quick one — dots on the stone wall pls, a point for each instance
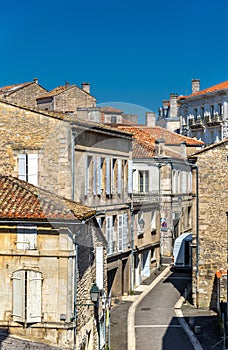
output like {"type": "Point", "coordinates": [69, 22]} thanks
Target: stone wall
{"type": "Point", "coordinates": [212, 234]}
{"type": "Point", "coordinates": [27, 95]}
{"type": "Point", "coordinates": [68, 101]}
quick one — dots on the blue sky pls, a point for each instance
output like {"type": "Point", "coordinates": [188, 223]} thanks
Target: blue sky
{"type": "Point", "coordinates": [133, 52]}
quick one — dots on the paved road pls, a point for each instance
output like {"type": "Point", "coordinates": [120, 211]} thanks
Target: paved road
{"type": "Point", "coordinates": [156, 324]}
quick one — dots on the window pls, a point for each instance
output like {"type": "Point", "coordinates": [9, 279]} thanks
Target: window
{"type": "Point", "coordinates": [26, 237]}
{"type": "Point", "coordinates": [27, 296]}
{"type": "Point", "coordinates": [202, 112]}
{"type": "Point", "coordinates": [122, 231]}
{"type": "Point", "coordinates": [28, 168]}
{"type": "Point", "coordinates": [144, 181]}
{"type": "Point", "coordinates": [109, 234]}
{"type": "Point", "coordinates": [220, 109]}
{"type": "Point", "coordinates": [195, 113]}
{"type": "Point", "coordinates": [212, 110]}
{"type": "Point", "coordinates": [113, 119]}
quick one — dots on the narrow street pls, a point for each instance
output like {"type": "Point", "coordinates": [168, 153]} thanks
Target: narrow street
{"type": "Point", "coordinates": [156, 324]}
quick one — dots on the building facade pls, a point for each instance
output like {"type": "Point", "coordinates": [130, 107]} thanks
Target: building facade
{"type": "Point", "coordinates": [204, 113]}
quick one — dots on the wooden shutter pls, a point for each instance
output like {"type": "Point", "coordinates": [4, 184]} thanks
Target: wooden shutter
{"type": "Point", "coordinates": [86, 175]}
{"type": "Point", "coordinates": [120, 232]}
{"type": "Point", "coordinates": [119, 176]}
{"type": "Point", "coordinates": [34, 281]}
{"type": "Point", "coordinates": [22, 242]}
{"type": "Point", "coordinates": [99, 268]}
{"type": "Point", "coordinates": [108, 176]}
{"type": "Point", "coordinates": [22, 166]}
{"type": "Point", "coordinates": [129, 176]}
{"type": "Point", "coordinates": [18, 296]}
{"type": "Point", "coordinates": [94, 175]}
{"type": "Point", "coordinates": [33, 169]}
{"type": "Point", "coordinates": [99, 175]}
{"type": "Point", "coordinates": [125, 231]}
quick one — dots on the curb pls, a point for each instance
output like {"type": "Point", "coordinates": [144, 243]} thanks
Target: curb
{"type": "Point", "coordinates": [193, 339]}
{"type": "Point", "coordinates": [131, 311]}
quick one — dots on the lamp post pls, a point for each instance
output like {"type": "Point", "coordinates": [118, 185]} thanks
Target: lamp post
{"type": "Point", "coordinates": [94, 295]}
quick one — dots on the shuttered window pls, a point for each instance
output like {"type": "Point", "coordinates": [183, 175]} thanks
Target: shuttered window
{"type": "Point", "coordinates": [27, 296]}
{"type": "Point", "coordinates": [28, 168]}
{"type": "Point", "coordinates": [26, 237]}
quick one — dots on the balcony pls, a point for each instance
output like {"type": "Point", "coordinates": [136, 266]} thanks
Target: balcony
{"type": "Point", "coordinates": [196, 123]}
{"type": "Point", "coordinates": [150, 196]}
{"type": "Point", "coordinates": [215, 119]}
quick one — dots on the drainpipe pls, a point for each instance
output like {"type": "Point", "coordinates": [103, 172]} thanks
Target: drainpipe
{"type": "Point", "coordinates": [75, 292]}
{"type": "Point", "coordinates": [194, 166]}
{"type": "Point", "coordinates": [73, 138]}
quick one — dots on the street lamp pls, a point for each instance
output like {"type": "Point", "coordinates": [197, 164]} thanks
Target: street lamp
{"type": "Point", "coordinates": [94, 293]}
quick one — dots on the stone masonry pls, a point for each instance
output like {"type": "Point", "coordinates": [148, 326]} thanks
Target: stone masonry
{"type": "Point", "coordinates": [211, 253]}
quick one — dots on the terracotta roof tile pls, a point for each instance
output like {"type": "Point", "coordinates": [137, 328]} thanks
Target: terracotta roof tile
{"type": "Point", "coordinates": [217, 87]}
{"type": "Point", "coordinates": [21, 200]}
{"type": "Point", "coordinates": [111, 110]}
{"type": "Point", "coordinates": [60, 89]}
{"type": "Point", "coordinates": [153, 133]}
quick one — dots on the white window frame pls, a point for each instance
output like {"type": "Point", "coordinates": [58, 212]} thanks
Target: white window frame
{"type": "Point", "coordinates": [26, 237]}
{"type": "Point", "coordinates": [28, 167]}
{"type": "Point", "coordinates": [27, 296]}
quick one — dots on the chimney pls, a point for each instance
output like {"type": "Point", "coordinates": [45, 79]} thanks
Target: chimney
{"type": "Point", "coordinates": [159, 147]}
{"type": "Point", "coordinates": [195, 85]}
{"type": "Point", "coordinates": [67, 84]}
{"type": "Point", "coordinates": [151, 119]}
{"type": "Point", "coordinates": [35, 80]}
{"type": "Point", "coordinates": [86, 87]}
{"type": "Point", "coordinates": [173, 112]}
{"type": "Point", "coordinates": [183, 149]}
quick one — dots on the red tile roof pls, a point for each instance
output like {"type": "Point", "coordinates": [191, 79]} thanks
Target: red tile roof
{"type": "Point", "coordinates": [21, 200]}
{"type": "Point", "coordinates": [144, 143]}
{"type": "Point", "coordinates": [111, 110]}
{"type": "Point", "coordinates": [60, 89]}
{"type": "Point", "coordinates": [217, 87]}
{"type": "Point", "coordinates": [157, 132]}
{"type": "Point", "coordinates": [12, 88]}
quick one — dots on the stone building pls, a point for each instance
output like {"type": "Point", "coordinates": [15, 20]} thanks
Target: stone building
{"type": "Point", "coordinates": [210, 193]}
{"type": "Point", "coordinates": [204, 113]}
{"type": "Point", "coordinates": [51, 249]}
{"type": "Point", "coordinates": [84, 161]}
{"type": "Point", "coordinates": [67, 98]}
{"type": "Point", "coordinates": [24, 93]}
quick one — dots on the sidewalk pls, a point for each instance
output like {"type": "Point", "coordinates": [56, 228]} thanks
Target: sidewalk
{"type": "Point", "coordinates": [202, 324]}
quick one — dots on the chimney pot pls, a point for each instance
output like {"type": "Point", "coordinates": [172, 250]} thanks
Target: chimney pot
{"type": "Point", "coordinates": [195, 85]}
{"type": "Point", "coordinates": [35, 80]}
{"type": "Point", "coordinates": [151, 119]}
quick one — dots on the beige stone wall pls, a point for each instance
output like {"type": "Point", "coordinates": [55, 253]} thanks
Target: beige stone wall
{"type": "Point", "coordinates": [212, 235]}
{"type": "Point", "coordinates": [27, 95]}
{"type": "Point", "coordinates": [68, 101]}
{"type": "Point", "coordinates": [55, 258]}
{"type": "Point", "coordinates": [24, 131]}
